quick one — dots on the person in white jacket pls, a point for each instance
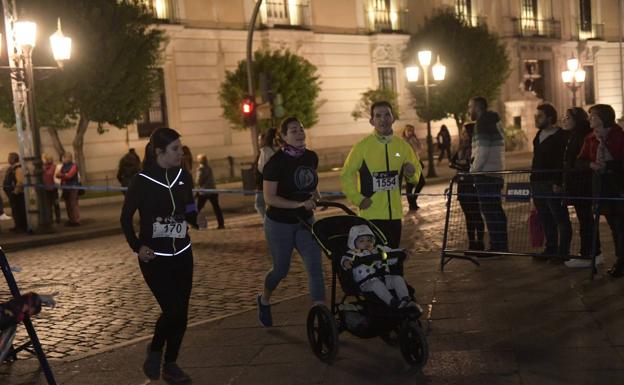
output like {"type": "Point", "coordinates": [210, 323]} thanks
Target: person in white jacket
{"type": "Point", "coordinates": [488, 151]}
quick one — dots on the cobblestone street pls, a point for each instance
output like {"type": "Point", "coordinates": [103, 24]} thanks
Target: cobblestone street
{"type": "Point", "coordinates": [104, 301]}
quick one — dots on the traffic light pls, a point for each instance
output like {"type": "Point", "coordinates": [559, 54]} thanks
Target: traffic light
{"type": "Point", "coordinates": [248, 108]}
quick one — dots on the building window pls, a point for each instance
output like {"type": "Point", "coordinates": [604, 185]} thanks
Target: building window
{"type": "Point", "coordinates": [162, 9]}
{"type": "Point", "coordinates": [156, 115]}
{"type": "Point", "coordinates": [387, 78]}
{"type": "Point", "coordinates": [529, 17]}
{"type": "Point", "coordinates": [463, 9]}
{"type": "Point", "coordinates": [285, 12]}
{"type": "Point", "coordinates": [384, 16]}
{"type": "Point", "coordinates": [590, 91]}
{"type": "Point", "coordinates": [537, 78]}
{"type": "Point", "coordinates": [586, 17]}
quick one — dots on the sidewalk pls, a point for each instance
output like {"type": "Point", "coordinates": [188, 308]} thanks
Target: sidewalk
{"type": "Point", "coordinates": [100, 216]}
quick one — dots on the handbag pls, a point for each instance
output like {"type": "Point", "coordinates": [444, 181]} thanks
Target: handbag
{"type": "Point", "coordinates": [536, 230]}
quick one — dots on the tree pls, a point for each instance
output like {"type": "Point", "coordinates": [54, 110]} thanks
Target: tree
{"type": "Point", "coordinates": [476, 61]}
{"type": "Point", "coordinates": [290, 75]}
{"type": "Point", "coordinates": [362, 109]}
{"type": "Point", "coordinates": [110, 77]}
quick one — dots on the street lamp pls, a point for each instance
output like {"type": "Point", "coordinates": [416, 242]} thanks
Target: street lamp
{"type": "Point", "coordinates": [439, 73]}
{"type": "Point", "coordinates": [573, 78]}
{"type": "Point", "coordinates": [21, 39]}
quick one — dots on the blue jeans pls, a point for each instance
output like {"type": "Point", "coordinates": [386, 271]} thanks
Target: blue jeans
{"type": "Point", "coordinates": [282, 239]}
{"type": "Point", "coordinates": [489, 194]}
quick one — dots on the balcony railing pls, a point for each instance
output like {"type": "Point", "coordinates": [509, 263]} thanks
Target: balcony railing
{"type": "Point", "coordinates": [530, 27]}
{"type": "Point", "coordinates": [165, 11]}
{"type": "Point", "coordinates": [386, 21]}
{"type": "Point", "coordinates": [588, 32]}
{"type": "Point", "coordinates": [283, 13]}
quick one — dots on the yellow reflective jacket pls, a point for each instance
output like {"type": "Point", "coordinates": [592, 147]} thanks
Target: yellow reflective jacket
{"type": "Point", "coordinates": [374, 169]}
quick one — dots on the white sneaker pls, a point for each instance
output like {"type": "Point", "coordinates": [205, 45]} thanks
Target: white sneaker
{"type": "Point", "coordinates": [5, 217]}
{"type": "Point", "coordinates": [581, 263]}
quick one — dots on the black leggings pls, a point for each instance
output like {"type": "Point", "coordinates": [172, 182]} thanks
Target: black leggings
{"type": "Point", "coordinates": [214, 201]}
{"type": "Point", "coordinates": [170, 279]}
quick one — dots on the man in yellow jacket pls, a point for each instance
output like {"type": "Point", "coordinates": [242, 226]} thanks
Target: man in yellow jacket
{"type": "Point", "coordinates": [372, 174]}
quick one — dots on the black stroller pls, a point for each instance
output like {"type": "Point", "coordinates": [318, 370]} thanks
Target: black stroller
{"type": "Point", "coordinates": [364, 315]}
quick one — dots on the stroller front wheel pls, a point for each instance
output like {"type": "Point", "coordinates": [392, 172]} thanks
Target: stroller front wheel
{"type": "Point", "coordinates": [413, 343]}
{"type": "Point", "coordinates": [322, 333]}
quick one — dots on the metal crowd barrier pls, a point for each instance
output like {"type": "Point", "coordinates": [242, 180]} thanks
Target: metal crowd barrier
{"type": "Point", "coordinates": [504, 201]}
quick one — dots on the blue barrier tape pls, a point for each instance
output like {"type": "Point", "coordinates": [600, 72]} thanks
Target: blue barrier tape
{"type": "Point", "coordinates": [340, 194]}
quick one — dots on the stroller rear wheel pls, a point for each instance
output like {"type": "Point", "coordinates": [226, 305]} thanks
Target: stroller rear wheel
{"type": "Point", "coordinates": [322, 333]}
{"type": "Point", "coordinates": [413, 343]}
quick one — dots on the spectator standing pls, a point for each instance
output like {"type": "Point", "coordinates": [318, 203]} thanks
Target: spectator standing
{"type": "Point", "coordinates": [187, 159]}
{"type": "Point", "coordinates": [68, 174]}
{"type": "Point", "coordinates": [577, 184]}
{"type": "Point", "coordinates": [410, 137]}
{"type": "Point", "coordinates": [546, 180]}
{"type": "Point", "coordinates": [51, 189]}
{"type": "Point", "coordinates": [603, 149]}
{"type": "Point", "coordinates": [205, 179]}
{"type": "Point", "coordinates": [444, 143]}
{"type": "Point", "coordinates": [14, 188]}
{"type": "Point", "coordinates": [466, 191]}
{"type": "Point", "coordinates": [488, 152]}
{"type": "Point", "coordinates": [129, 166]}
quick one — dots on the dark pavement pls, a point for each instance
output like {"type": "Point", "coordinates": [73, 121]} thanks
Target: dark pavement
{"type": "Point", "coordinates": [510, 321]}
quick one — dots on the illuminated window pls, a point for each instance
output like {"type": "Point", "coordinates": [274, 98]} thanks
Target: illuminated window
{"type": "Point", "coordinates": [156, 114]}
{"type": "Point", "coordinates": [162, 9]}
{"type": "Point", "coordinates": [463, 9]}
{"type": "Point", "coordinates": [285, 12]}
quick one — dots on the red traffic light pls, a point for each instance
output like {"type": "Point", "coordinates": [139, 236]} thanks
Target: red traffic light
{"type": "Point", "coordinates": [248, 107]}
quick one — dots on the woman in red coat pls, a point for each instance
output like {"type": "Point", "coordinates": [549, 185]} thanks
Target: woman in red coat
{"type": "Point", "coordinates": [603, 149]}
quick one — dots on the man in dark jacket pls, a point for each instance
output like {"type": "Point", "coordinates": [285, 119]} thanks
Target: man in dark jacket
{"type": "Point", "coordinates": [546, 181]}
{"type": "Point", "coordinates": [129, 166]}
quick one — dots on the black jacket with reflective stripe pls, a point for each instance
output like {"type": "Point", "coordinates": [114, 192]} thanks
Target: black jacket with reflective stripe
{"type": "Point", "coordinates": [149, 193]}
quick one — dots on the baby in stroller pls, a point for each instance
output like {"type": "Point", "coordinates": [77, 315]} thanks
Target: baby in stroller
{"type": "Point", "coordinates": [374, 268]}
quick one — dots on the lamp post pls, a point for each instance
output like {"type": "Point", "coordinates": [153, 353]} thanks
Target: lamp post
{"type": "Point", "coordinates": [573, 78]}
{"type": "Point", "coordinates": [21, 40]}
{"type": "Point", "coordinates": [439, 72]}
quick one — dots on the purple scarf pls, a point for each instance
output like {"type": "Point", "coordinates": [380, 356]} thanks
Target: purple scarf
{"type": "Point", "coordinates": [295, 152]}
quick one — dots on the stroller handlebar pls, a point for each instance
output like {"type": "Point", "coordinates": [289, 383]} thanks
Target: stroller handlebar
{"type": "Point", "coordinates": [335, 204]}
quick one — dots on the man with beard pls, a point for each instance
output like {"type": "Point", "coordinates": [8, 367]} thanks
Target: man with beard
{"type": "Point", "coordinates": [546, 181]}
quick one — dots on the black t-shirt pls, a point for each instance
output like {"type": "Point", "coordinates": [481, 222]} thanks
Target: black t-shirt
{"type": "Point", "coordinates": [296, 181]}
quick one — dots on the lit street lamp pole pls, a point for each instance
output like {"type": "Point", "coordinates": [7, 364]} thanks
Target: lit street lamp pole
{"type": "Point", "coordinates": [21, 39]}
{"type": "Point", "coordinates": [573, 78]}
{"type": "Point", "coordinates": [439, 72]}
